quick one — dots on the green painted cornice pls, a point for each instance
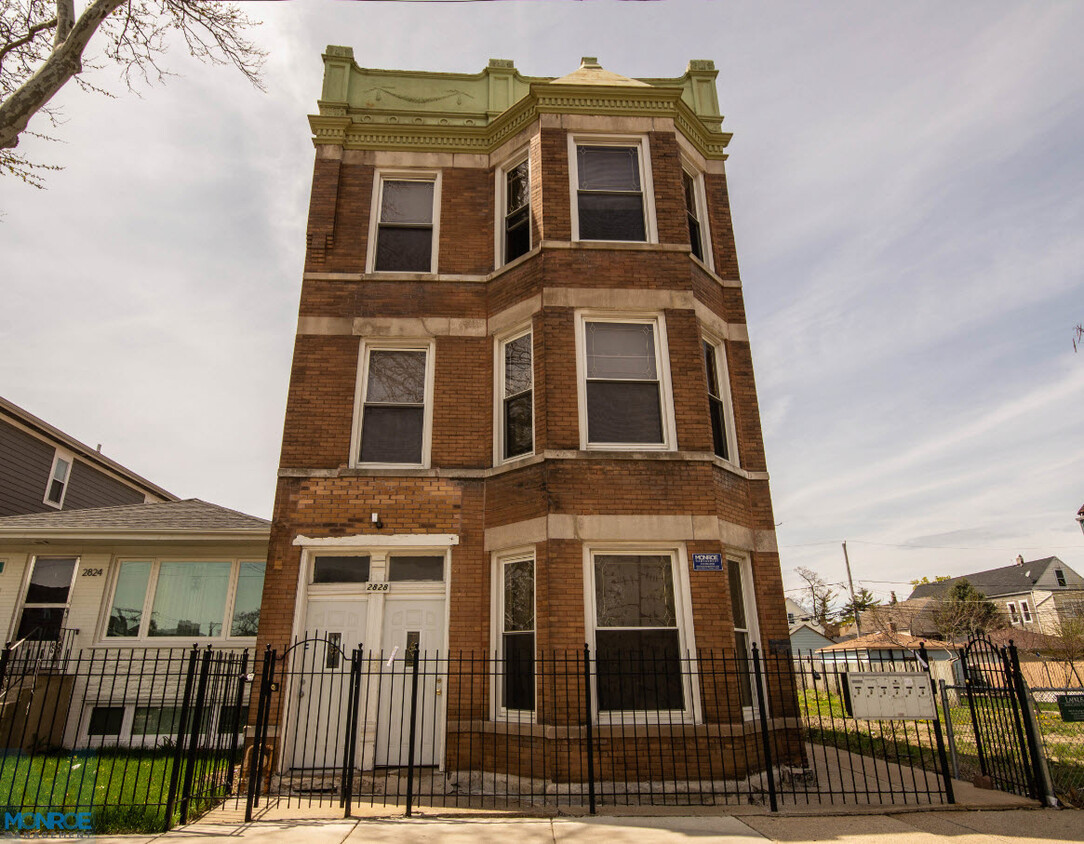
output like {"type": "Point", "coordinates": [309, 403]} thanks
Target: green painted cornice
{"type": "Point", "coordinates": [364, 108]}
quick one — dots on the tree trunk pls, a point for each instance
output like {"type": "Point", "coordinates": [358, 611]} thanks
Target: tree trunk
{"type": "Point", "coordinates": [64, 62]}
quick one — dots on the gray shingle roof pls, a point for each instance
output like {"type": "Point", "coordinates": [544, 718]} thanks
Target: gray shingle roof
{"type": "Point", "coordinates": [1006, 580]}
{"type": "Point", "coordinates": [169, 516]}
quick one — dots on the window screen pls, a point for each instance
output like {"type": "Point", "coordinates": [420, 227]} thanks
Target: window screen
{"type": "Point", "coordinates": [610, 199]}
{"type": "Point", "coordinates": [393, 416]}
{"type": "Point", "coordinates": [622, 383]}
{"type": "Point", "coordinates": [636, 635]}
{"type": "Point", "coordinates": [404, 240]}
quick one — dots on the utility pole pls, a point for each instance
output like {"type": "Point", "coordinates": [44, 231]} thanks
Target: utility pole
{"type": "Point", "coordinates": [850, 583]}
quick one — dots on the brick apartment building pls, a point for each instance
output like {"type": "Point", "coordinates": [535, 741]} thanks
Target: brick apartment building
{"type": "Point", "coordinates": [522, 414]}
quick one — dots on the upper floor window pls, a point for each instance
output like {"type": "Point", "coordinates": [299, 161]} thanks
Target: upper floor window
{"type": "Point", "coordinates": [611, 182]}
{"type": "Point", "coordinates": [624, 395]}
{"type": "Point", "coordinates": [405, 232]}
{"type": "Point", "coordinates": [696, 215]}
{"type": "Point", "coordinates": [720, 409]}
{"type": "Point", "coordinates": [1025, 611]}
{"type": "Point", "coordinates": [58, 479]}
{"type": "Point", "coordinates": [515, 188]}
{"type": "Point", "coordinates": [204, 599]}
{"type": "Point", "coordinates": [1059, 575]}
{"type": "Point", "coordinates": [394, 411]}
{"type": "Point", "coordinates": [1014, 614]}
{"type": "Point", "coordinates": [516, 390]}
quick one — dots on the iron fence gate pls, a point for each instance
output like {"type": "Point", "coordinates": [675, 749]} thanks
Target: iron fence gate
{"type": "Point", "coordinates": [1005, 735]}
{"type": "Point", "coordinates": [341, 728]}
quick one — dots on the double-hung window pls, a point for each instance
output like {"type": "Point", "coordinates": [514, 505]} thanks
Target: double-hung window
{"type": "Point", "coordinates": [405, 233]}
{"type": "Point", "coordinates": [637, 632]}
{"type": "Point", "coordinates": [696, 215]}
{"type": "Point", "coordinates": [1014, 613]}
{"type": "Point", "coordinates": [515, 367]}
{"type": "Point", "coordinates": [612, 190]}
{"type": "Point", "coordinates": [394, 411]}
{"type": "Point", "coordinates": [1025, 612]}
{"type": "Point", "coordinates": [720, 409]}
{"type": "Point", "coordinates": [741, 611]}
{"type": "Point", "coordinates": [515, 204]}
{"type": "Point", "coordinates": [186, 599]}
{"type": "Point", "coordinates": [624, 386]}
{"type": "Point", "coordinates": [516, 634]}
{"type": "Point", "coordinates": [58, 479]}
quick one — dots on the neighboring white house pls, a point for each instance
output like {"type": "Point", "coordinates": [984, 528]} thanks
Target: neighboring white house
{"type": "Point", "coordinates": [1034, 595]}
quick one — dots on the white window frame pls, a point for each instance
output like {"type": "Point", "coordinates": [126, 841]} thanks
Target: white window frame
{"type": "Point", "coordinates": [722, 367]}
{"type": "Point", "coordinates": [147, 740]}
{"type": "Point", "coordinates": [426, 345]}
{"type": "Point", "coordinates": [69, 458]}
{"type": "Point", "coordinates": [1014, 614]}
{"type": "Point", "coordinates": [662, 370]}
{"type": "Point", "coordinates": [501, 204]}
{"type": "Point", "coordinates": [1060, 579]}
{"type": "Point", "coordinates": [143, 639]}
{"type": "Point", "coordinates": [701, 203]}
{"type": "Point", "coordinates": [501, 340]}
{"type": "Point", "coordinates": [400, 175]}
{"type": "Point", "coordinates": [25, 585]}
{"type": "Point", "coordinates": [1025, 612]}
{"type": "Point", "coordinates": [752, 623]}
{"type": "Point", "coordinates": [647, 183]}
{"type": "Point", "coordinates": [683, 604]}
{"type": "Point", "coordinates": [499, 560]}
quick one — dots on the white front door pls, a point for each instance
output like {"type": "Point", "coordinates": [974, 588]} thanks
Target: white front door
{"type": "Point", "coordinates": [412, 625]}
{"type": "Point", "coordinates": [318, 675]}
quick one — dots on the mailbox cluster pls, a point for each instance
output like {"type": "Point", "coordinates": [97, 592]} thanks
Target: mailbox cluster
{"type": "Point", "coordinates": [876, 695]}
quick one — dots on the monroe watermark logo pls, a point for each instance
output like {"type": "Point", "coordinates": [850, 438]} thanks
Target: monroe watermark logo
{"type": "Point", "coordinates": [73, 823]}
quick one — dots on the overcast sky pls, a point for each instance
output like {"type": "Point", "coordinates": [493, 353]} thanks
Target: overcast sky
{"type": "Point", "coordinates": [907, 181]}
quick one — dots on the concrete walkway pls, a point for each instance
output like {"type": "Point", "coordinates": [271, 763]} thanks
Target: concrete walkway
{"type": "Point", "coordinates": [1014, 826]}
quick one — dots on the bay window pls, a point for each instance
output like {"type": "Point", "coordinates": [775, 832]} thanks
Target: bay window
{"type": "Point", "coordinates": [611, 189]}
{"type": "Point", "coordinates": [516, 634]}
{"type": "Point", "coordinates": [514, 211]}
{"type": "Point", "coordinates": [515, 368]}
{"type": "Point", "coordinates": [637, 631]}
{"type": "Point", "coordinates": [403, 238]}
{"type": "Point", "coordinates": [624, 390]}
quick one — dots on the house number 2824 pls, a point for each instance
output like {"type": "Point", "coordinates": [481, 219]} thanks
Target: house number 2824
{"type": "Point", "coordinates": [92, 572]}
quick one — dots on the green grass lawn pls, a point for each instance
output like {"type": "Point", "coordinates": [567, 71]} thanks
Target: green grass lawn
{"type": "Point", "coordinates": [126, 790]}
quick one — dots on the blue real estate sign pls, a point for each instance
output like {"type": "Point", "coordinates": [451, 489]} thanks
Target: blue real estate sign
{"type": "Point", "coordinates": [707, 562]}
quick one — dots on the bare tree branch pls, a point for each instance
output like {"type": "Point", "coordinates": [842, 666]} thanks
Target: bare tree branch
{"type": "Point", "coordinates": [133, 34]}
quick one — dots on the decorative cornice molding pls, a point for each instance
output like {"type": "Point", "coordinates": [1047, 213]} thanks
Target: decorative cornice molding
{"type": "Point", "coordinates": [374, 129]}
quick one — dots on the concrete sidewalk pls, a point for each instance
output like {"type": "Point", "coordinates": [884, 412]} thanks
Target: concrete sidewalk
{"type": "Point", "coordinates": [1018, 826]}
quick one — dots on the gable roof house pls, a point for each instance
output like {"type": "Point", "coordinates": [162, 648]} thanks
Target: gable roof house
{"type": "Point", "coordinates": [1034, 595]}
{"type": "Point", "coordinates": [44, 469]}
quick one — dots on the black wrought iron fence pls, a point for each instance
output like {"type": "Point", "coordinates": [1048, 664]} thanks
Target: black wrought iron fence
{"type": "Point", "coordinates": [580, 729]}
{"type": "Point", "coordinates": [137, 739]}
{"type": "Point", "coordinates": [147, 738]}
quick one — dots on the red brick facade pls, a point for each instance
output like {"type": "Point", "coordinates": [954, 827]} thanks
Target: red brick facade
{"type": "Point", "coordinates": [564, 497]}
